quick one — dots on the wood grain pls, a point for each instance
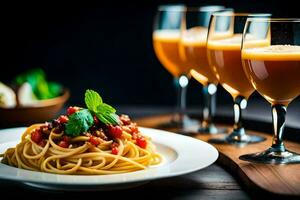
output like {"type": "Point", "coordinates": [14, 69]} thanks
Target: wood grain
{"type": "Point", "coordinates": [275, 179]}
{"type": "Point", "coordinates": [212, 182]}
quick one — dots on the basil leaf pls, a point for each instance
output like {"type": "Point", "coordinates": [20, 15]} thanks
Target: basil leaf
{"type": "Point", "coordinates": [113, 119]}
{"type": "Point", "coordinates": [105, 108]}
{"type": "Point", "coordinates": [104, 112]}
{"type": "Point", "coordinates": [92, 100]}
{"type": "Point", "coordinates": [79, 122]}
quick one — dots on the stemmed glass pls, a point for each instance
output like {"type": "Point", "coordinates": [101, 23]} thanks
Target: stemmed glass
{"type": "Point", "coordinates": [166, 37]}
{"type": "Point", "coordinates": [224, 54]}
{"type": "Point", "coordinates": [271, 61]}
{"type": "Point", "coordinates": [193, 52]}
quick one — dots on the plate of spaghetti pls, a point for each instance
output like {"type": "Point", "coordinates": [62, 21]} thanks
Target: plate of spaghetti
{"type": "Point", "coordinates": [93, 148]}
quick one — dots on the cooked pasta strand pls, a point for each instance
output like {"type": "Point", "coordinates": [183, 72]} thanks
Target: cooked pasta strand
{"type": "Point", "coordinates": [84, 159]}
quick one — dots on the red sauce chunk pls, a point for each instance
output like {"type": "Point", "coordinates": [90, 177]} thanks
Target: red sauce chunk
{"type": "Point", "coordinates": [115, 150]}
{"type": "Point", "coordinates": [141, 142]}
{"type": "Point", "coordinates": [63, 144]}
{"type": "Point", "coordinates": [133, 128]}
{"type": "Point", "coordinates": [66, 139]}
{"type": "Point", "coordinates": [94, 140]}
{"type": "Point", "coordinates": [36, 136]}
{"type": "Point", "coordinates": [72, 109]}
{"type": "Point", "coordinates": [115, 131]}
{"type": "Point", "coordinates": [125, 119]}
{"type": "Point", "coordinates": [63, 119]}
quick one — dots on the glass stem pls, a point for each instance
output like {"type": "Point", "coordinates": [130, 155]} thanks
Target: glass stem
{"type": "Point", "coordinates": [181, 86]}
{"type": "Point", "coordinates": [239, 104]}
{"type": "Point", "coordinates": [278, 117]}
{"type": "Point", "coordinates": [209, 109]}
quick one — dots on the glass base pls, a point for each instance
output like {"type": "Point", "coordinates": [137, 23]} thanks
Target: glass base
{"type": "Point", "coordinates": [270, 156]}
{"type": "Point", "coordinates": [238, 137]}
{"type": "Point", "coordinates": [211, 130]}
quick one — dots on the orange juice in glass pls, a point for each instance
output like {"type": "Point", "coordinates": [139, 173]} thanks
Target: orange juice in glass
{"type": "Point", "coordinates": [224, 54]}
{"type": "Point", "coordinates": [193, 52]}
{"type": "Point", "coordinates": [274, 72]}
{"type": "Point", "coordinates": [166, 37]}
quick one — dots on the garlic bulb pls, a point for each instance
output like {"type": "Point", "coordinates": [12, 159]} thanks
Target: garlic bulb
{"type": "Point", "coordinates": [7, 97]}
{"type": "Point", "coordinates": [26, 96]}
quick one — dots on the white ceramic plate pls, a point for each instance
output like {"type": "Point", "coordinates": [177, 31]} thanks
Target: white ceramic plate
{"type": "Point", "coordinates": [181, 155]}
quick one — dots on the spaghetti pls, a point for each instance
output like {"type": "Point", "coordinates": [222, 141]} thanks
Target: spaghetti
{"type": "Point", "coordinates": [102, 149]}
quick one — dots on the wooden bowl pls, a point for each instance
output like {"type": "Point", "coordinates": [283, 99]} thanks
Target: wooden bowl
{"type": "Point", "coordinates": [43, 111]}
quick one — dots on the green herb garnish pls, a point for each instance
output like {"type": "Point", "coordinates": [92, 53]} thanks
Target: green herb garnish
{"type": "Point", "coordinates": [92, 100]}
{"type": "Point", "coordinates": [104, 112]}
{"type": "Point", "coordinates": [82, 120]}
{"type": "Point", "coordinates": [79, 122]}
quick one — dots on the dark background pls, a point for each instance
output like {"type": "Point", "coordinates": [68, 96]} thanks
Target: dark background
{"type": "Point", "coordinates": [105, 46]}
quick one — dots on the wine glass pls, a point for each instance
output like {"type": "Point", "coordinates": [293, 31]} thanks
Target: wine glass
{"type": "Point", "coordinates": [271, 61]}
{"type": "Point", "coordinates": [193, 52]}
{"type": "Point", "coordinates": [224, 55]}
{"type": "Point", "coordinates": [166, 37]}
